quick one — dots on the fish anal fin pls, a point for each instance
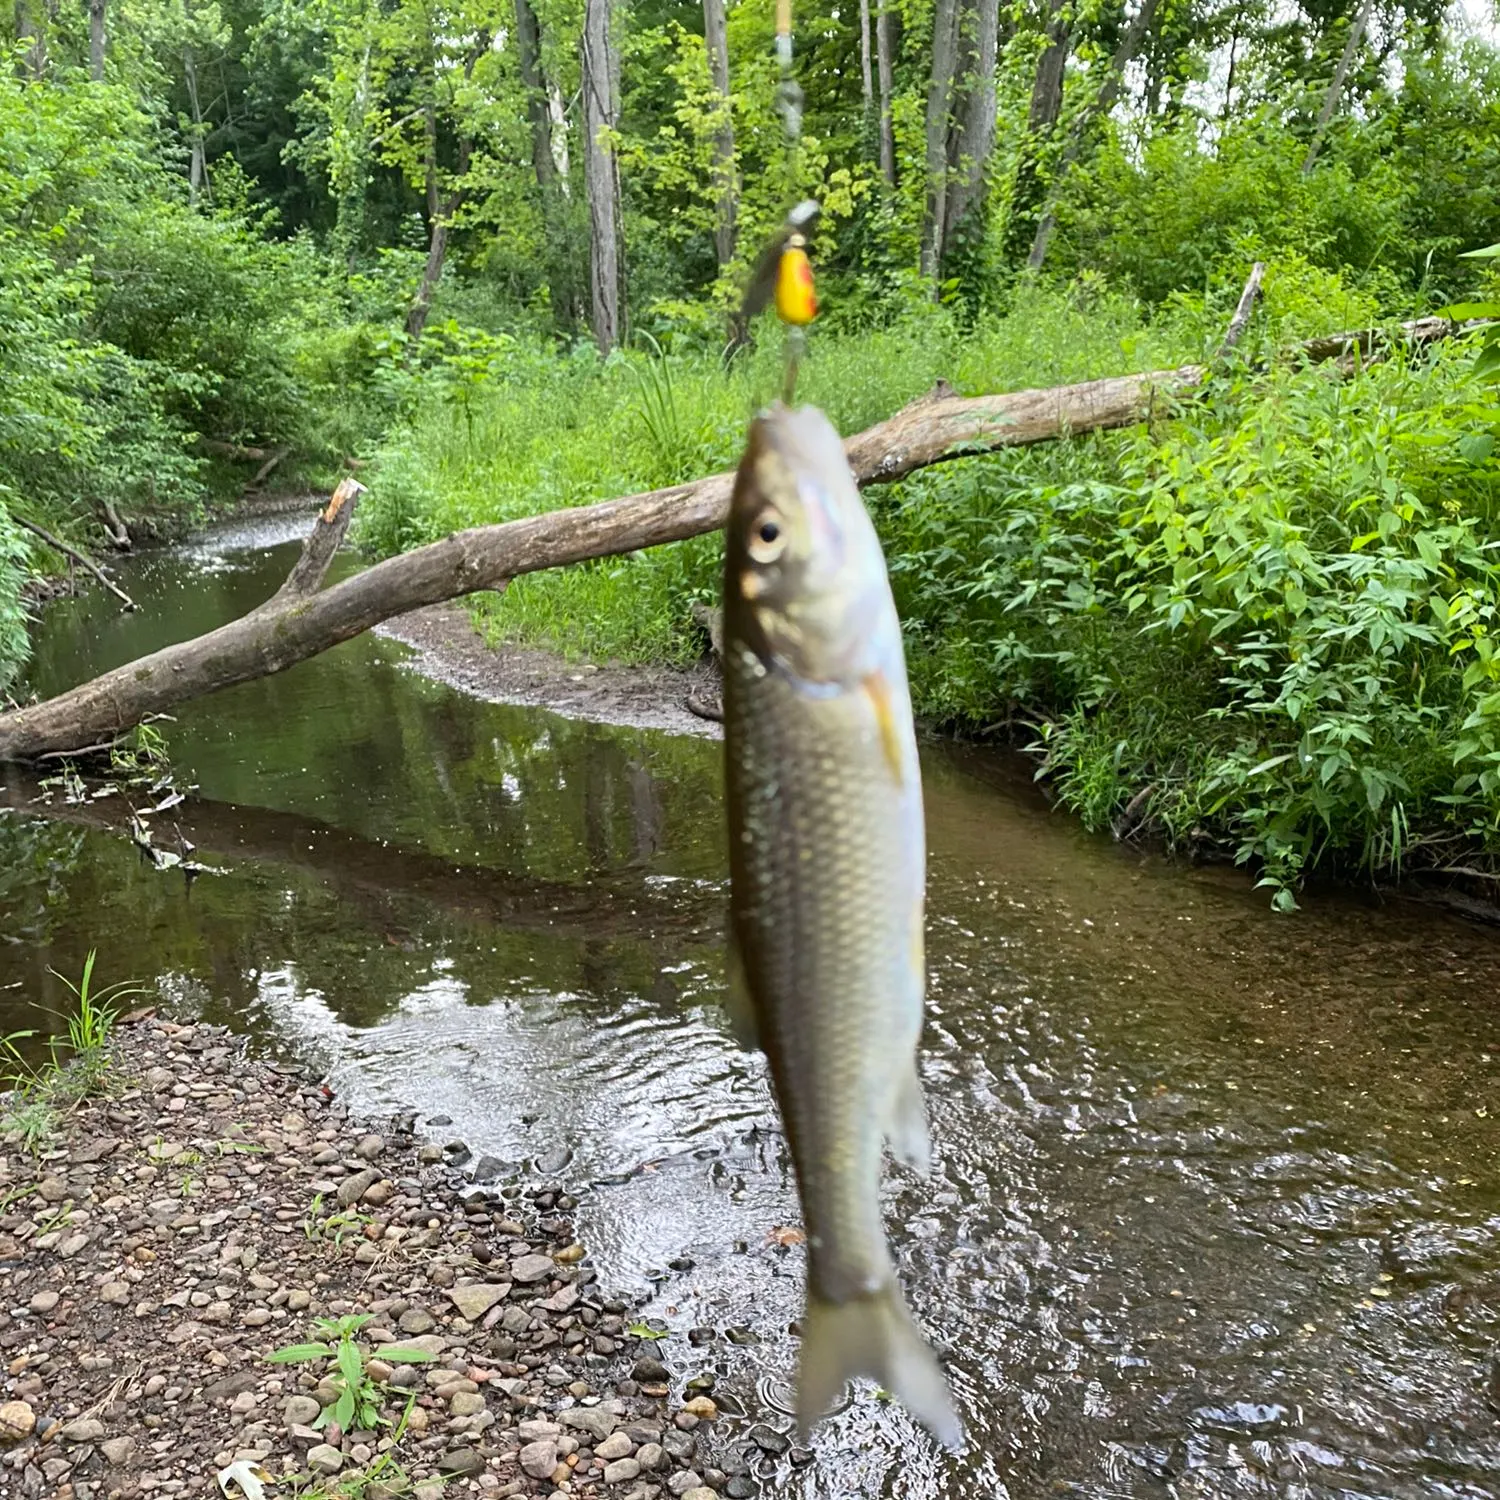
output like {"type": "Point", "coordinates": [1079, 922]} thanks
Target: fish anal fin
{"type": "Point", "coordinates": [906, 1131]}
{"type": "Point", "coordinates": [737, 1004]}
{"type": "Point", "coordinates": [872, 1336]}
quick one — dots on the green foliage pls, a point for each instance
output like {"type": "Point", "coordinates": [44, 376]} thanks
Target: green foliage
{"type": "Point", "coordinates": [360, 1397]}
{"type": "Point", "coordinates": [76, 1066]}
{"type": "Point", "coordinates": [1276, 612]}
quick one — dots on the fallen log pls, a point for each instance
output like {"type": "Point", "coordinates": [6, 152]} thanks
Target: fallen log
{"type": "Point", "coordinates": [300, 621]}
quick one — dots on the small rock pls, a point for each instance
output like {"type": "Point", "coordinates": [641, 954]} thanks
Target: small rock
{"type": "Point", "coordinates": [378, 1194]}
{"type": "Point", "coordinates": [621, 1470]}
{"type": "Point", "coordinates": [298, 1299]}
{"type": "Point", "coordinates": [649, 1370]}
{"type": "Point", "coordinates": [117, 1450]}
{"type": "Point", "coordinates": [44, 1302]}
{"type": "Point", "coordinates": [463, 1462]}
{"type": "Point", "coordinates": [352, 1189]}
{"type": "Point", "coordinates": [701, 1493]}
{"type": "Point", "coordinates": [300, 1411]}
{"type": "Point", "coordinates": [325, 1459]}
{"type": "Point", "coordinates": [115, 1292]}
{"type": "Point", "coordinates": [539, 1459]}
{"type": "Point", "coordinates": [529, 1268]}
{"type": "Point", "coordinates": [681, 1483]}
{"type": "Point", "coordinates": [370, 1147]}
{"type": "Point", "coordinates": [83, 1430]}
{"type": "Point", "coordinates": [650, 1456]}
{"type": "Point", "coordinates": [593, 1420]}
{"type": "Point", "coordinates": [466, 1404]}
{"type": "Point", "coordinates": [244, 1403]}
{"type": "Point", "coordinates": [534, 1429]}
{"type": "Point", "coordinates": [16, 1421]}
{"type": "Point", "coordinates": [475, 1299]}
{"type": "Point", "coordinates": [416, 1320]}
{"type": "Point", "coordinates": [616, 1445]}
{"type": "Point", "coordinates": [702, 1407]}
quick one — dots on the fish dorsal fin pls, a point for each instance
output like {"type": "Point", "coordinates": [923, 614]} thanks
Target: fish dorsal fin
{"type": "Point", "coordinates": [737, 1004]}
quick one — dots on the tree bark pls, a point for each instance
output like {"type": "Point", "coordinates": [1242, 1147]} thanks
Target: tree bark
{"type": "Point", "coordinates": [1336, 84]}
{"type": "Point", "coordinates": [939, 103]}
{"type": "Point", "coordinates": [96, 40]}
{"type": "Point", "coordinates": [866, 73]}
{"type": "Point", "coordinates": [883, 51]}
{"type": "Point", "coordinates": [34, 59]}
{"type": "Point", "coordinates": [529, 60]}
{"type": "Point", "coordinates": [197, 164]}
{"type": "Point", "coordinates": [600, 112]}
{"type": "Point", "coordinates": [1109, 91]}
{"type": "Point", "coordinates": [976, 136]}
{"type": "Point", "coordinates": [1046, 106]}
{"type": "Point", "coordinates": [301, 622]}
{"type": "Point", "coordinates": [716, 35]}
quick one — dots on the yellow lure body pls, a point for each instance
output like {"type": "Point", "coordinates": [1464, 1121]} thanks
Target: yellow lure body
{"type": "Point", "coordinates": [796, 296]}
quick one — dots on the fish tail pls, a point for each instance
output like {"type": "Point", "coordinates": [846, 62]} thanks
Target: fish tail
{"type": "Point", "coordinates": [872, 1336]}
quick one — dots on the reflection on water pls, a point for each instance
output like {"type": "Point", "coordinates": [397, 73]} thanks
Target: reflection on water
{"type": "Point", "coordinates": [1216, 1210]}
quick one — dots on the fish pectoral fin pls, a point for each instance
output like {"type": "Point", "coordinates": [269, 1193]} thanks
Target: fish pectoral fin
{"type": "Point", "coordinates": [906, 1132]}
{"type": "Point", "coordinates": [737, 1004]}
{"type": "Point", "coordinates": [878, 690]}
{"type": "Point", "coordinates": [872, 1336]}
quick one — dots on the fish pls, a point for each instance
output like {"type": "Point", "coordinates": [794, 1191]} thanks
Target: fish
{"type": "Point", "coordinates": [827, 888]}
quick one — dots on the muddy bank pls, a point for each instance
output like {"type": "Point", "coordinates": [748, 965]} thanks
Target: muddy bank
{"type": "Point", "coordinates": [213, 1208]}
{"type": "Point", "coordinates": [450, 650]}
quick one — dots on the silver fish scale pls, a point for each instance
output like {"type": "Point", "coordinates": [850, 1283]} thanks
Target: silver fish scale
{"type": "Point", "coordinates": [827, 859]}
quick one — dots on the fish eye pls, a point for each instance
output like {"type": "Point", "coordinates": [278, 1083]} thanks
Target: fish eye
{"type": "Point", "coordinates": [767, 539]}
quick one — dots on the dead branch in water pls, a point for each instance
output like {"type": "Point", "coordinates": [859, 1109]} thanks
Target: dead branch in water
{"type": "Point", "coordinates": [58, 545]}
{"type": "Point", "coordinates": [303, 620]}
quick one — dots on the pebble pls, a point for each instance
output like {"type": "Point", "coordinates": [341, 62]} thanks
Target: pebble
{"type": "Point", "coordinates": [701, 1493]}
{"type": "Point", "coordinates": [466, 1404]}
{"type": "Point", "coordinates": [300, 1411]}
{"type": "Point", "coordinates": [681, 1483]}
{"type": "Point", "coordinates": [617, 1445]}
{"type": "Point", "coordinates": [325, 1459]}
{"type": "Point", "coordinates": [539, 1459]}
{"type": "Point", "coordinates": [44, 1302]}
{"type": "Point", "coordinates": [621, 1470]}
{"type": "Point", "coordinates": [16, 1421]}
{"type": "Point", "coordinates": [416, 1320]}
{"type": "Point", "coordinates": [702, 1407]}
{"type": "Point", "coordinates": [529, 1268]}
{"type": "Point", "coordinates": [474, 1299]}
{"type": "Point", "coordinates": [464, 1462]}
{"type": "Point", "coordinates": [117, 1450]}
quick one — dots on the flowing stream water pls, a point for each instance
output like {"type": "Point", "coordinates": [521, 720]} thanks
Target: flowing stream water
{"type": "Point", "coordinates": [1216, 1208]}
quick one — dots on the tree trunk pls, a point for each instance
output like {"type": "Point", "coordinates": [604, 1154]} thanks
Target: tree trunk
{"type": "Point", "coordinates": [715, 33]}
{"type": "Point", "coordinates": [197, 165]}
{"type": "Point", "coordinates": [1027, 193]}
{"type": "Point", "coordinates": [96, 40]}
{"type": "Point", "coordinates": [939, 102]}
{"type": "Point", "coordinates": [866, 73]}
{"type": "Point", "coordinates": [883, 52]}
{"type": "Point", "coordinates": [529, 59]}
{"type": "Point", "coordinates": [1336, 84]}
{"type": "Point", "coordinates": [1109, 91]}
{"type": "Point", "coordinates": [600, 112]}
{"type": "Point", "coordinates": [302, 621]}
{"type": "Point", "coordinates": [437, 234]}
{"type": "Point", "coordinates": [976, 136]}
{"type": "Point", "coordinates": [34, 59]}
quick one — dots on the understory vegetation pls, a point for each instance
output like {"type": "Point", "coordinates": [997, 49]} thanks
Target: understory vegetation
{"type": "Point", "coordinates": [247, 244]}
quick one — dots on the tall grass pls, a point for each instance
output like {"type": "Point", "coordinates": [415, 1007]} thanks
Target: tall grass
{"type": "Point", "coordinates": [75, 1068]}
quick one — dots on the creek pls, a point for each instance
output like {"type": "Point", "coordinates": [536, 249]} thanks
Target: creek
{"type": "Point", "coordinates": [1216, 1207]}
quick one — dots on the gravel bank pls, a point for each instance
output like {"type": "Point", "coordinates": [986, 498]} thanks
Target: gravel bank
{"type": "Point", "coordinates": [213, 1207]}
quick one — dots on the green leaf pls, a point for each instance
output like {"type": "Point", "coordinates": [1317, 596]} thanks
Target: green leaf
{"type": "Point", "coordinates": [344, 1410]}
{"type": "Point", "coordinates": [1490, 252]}
{"type": "Point", "coordinates": [295, 1353]}
{"type": "Point", "coordinates": [351, 1366]}
{"type": "Point", "coordinates": [1462, 312]}
{"type": "Point", "coordinates": [1266, 765]}
{"type": "Point", "coordinates": [405, 1356]}
{"type": "Point", "coordinates": [646, 1331]}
